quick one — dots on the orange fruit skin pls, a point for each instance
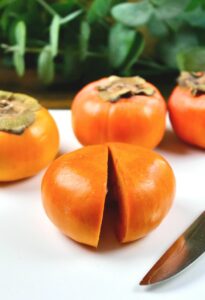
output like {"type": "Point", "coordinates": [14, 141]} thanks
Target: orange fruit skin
{"type": "Point", "coordinates": [138, 120]}
{"type": "Point", "coordinates": [147, 185]}
{"type": "Point", "coordinates": [25, 155]}
{"type": "Point", "coordinates": [187, 115]}
{"type": "Point", "coordinates": [74, 189]}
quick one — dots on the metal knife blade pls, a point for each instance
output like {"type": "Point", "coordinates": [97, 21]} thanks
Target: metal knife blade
{"type": "Point", "coordinates": [183, 252]}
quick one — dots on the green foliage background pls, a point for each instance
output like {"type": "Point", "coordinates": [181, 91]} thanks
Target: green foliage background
{"type": "Point", "coordinates": [79, 41]}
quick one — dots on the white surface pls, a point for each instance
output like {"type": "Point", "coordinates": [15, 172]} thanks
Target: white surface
{"type": "Point", "coordinates": [38, 263]}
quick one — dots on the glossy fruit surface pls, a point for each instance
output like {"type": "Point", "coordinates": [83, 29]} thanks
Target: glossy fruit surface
{"type": "Point", "coordinates": [119, 110]}
{"type": "Point", "coordinates": [187, 109]}
{"type": "Point", "coordinates": [74, 189]}
{"type": "Point", "coordinates": [26, 153]}
{"type": "Point", "coordinates": [138, 180]}
{"type": "Point", "coordinates": [187, 115]}
{"type": "Point", "coordinates": [145, 187]}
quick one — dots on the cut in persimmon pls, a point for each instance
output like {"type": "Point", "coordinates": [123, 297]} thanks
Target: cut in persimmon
{"type": "Point", "coordinates": [140, 181]}
{"type": "Point", "coordinates": [145, 187]}
{"type": "Point", "coordinates": [114, 109]}
{"type": "Point", "coordinates": [29, 138]}
{"type": "Point", "coordinates": [187, 108]}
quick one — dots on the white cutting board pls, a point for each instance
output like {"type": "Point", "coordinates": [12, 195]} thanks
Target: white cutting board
{"type": "Point", "coordinates": [38, 263]}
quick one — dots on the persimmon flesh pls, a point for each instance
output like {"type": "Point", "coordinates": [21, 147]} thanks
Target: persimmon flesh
{"type": "Point", "coordinates": [75, 187]}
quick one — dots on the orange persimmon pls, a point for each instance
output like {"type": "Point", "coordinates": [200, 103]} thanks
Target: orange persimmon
{"type": "Point", "coordinates": [114, 109]}
{"type": "Point", "coordinates": [76, 186]}
{"type": "Point", "coordinates": [187, 108]}
{"type": "Point", "coordinates": [29, 138]}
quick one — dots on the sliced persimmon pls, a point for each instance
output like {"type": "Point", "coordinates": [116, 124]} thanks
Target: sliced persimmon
{"type": "Point", "coordinates": [74, 191]}
{"type": "Point", "coordinates": [144, 189]}
{"type": "Point", "coordinates": [139, 181]}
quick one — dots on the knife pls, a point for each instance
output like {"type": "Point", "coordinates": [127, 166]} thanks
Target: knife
{"type": "Point", "coordinates": [183, 252]}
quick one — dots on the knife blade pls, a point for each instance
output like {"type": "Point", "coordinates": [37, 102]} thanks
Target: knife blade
{"type": "Point", "coordinates": [182, 253]}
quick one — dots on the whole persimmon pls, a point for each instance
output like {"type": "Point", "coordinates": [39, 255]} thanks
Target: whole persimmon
{"type": "Point", "coordinates": [114, 109]}
{"type": "Point", "coordinates": [29, 138]}
{"type": "Point", "coordinates": [187, 108]}
{"type": "Point", "coordinates": [77, 185]}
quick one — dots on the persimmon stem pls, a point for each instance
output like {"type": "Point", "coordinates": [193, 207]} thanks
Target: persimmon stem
{"type": "Point", "coordinates": [124, 87]}
{"type": "Point", "coordinates": [17, 112]}
{"type": "Point", "coordinates": [194, 81]}
{"type": "Point", "coordinates": [5, 105]}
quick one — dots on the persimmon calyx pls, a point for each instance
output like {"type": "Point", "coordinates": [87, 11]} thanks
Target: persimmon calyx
{"type": "Point", "coordinates": [126, 87]}
{"type": "Point", "coordinates": [17, 112]}
{"type": "Point", "coordinates": [195, 81]}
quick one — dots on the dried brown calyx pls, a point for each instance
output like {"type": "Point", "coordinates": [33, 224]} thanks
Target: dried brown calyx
{"type": "Point", "coordinates": [124, 87]}
{"type": "Point", "coordinates": [195, 81]}
{"type": "Point", "coordinates": [17, 112]}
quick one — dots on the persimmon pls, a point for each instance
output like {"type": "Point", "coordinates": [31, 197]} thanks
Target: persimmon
{"type": "Point", "coordinates": [77, 185]}
{"type": "Point", "coordinates": [129, 110]}
{"type": "Point", "coordinates": [29, 138]}
{"type": "Point", "coordinates": [187, 108]}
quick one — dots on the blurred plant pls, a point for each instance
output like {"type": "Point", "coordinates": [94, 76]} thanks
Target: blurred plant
{"type": "Point", "coordinates": [83, 40]}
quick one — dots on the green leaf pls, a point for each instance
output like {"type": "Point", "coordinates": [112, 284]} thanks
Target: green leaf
{"type": "Point", "coordinates": [196, 17]}
{"type": "Point", "coordinates": [84, 39]}
{"type": "Point", "coordinates": [125, 46]}
{"type": "Point", "coordinates": [133, 14]}
{"type": "Point", "coordinates": [54, 35]}
{"type": "Point", "coordinates": [64, 7]}
{"type": "Point", "coordinates": [121, 39]}
{"type": "Point", "coordinates": [135, 52]}
{"type": "Point", "coordinates": [171, 46]}
{"type": "Point", "coordinates": [192, 60]}
{"type": "Point", "coordinates": [170, 8]}
{"type": "Point", "coordinates": [175, 24]}
{"type": "Point", "coordinates": [5, 3]}
{"type": "Point", "coordinates": [19, 63]}
{"type": "Point", "coordinates": [20, 36]}
{"type": "Point", "coordinates": [98, 10]}
{"type": "Point", "coordinates": [194, 4]}
{"type": "Point", "coordinates": [46, 65]}
{"type": "Point", "coordinates": [157, 27]}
